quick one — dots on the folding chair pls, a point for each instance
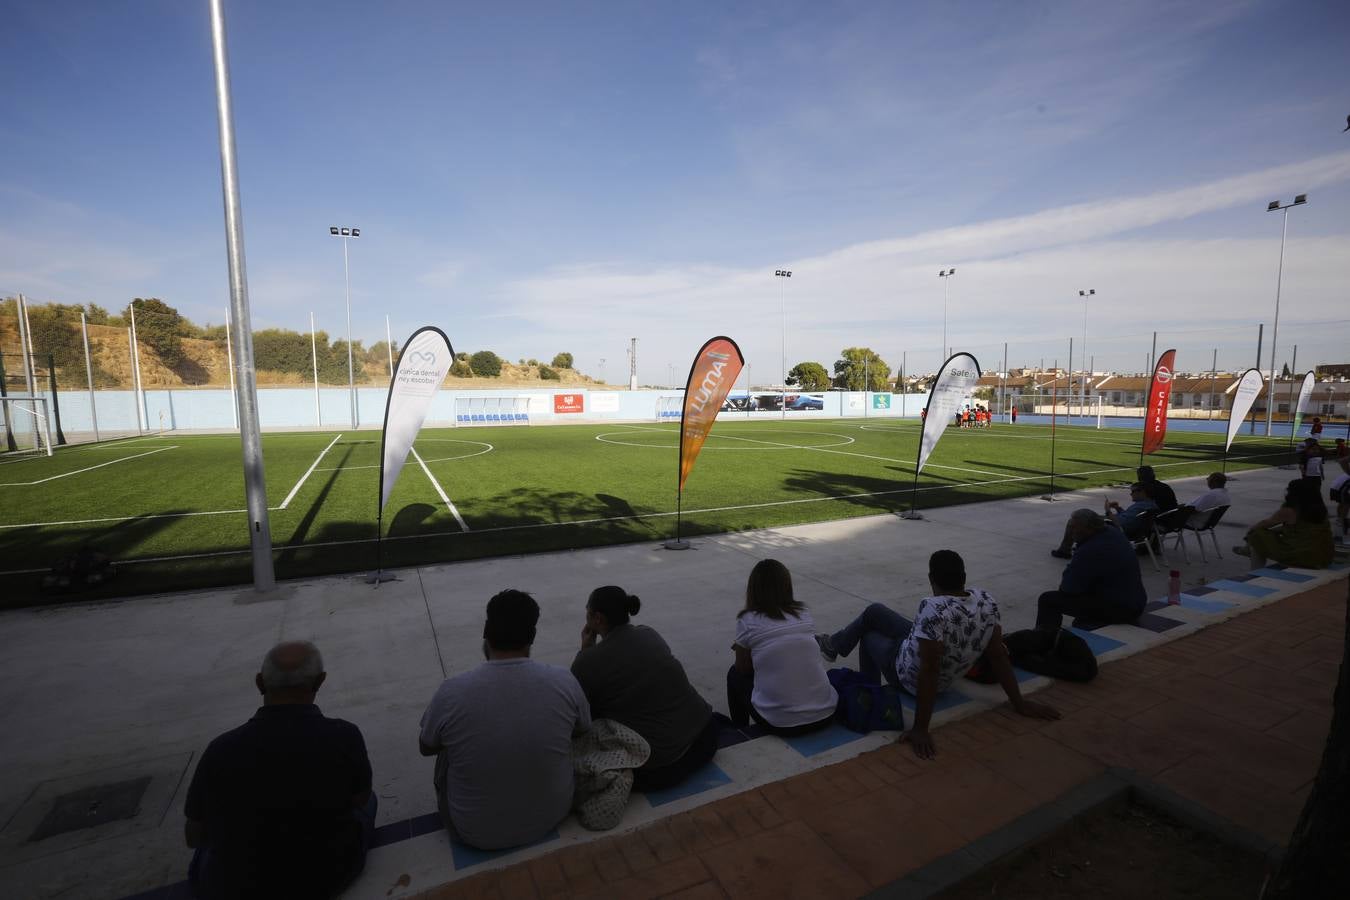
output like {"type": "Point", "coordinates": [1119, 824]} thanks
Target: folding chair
{"type": "Point", "coordinates": [1146, 538]}
{"type": "Point", "coordinates": [1200, 523]}
{"type": "Point", "coordinates": [1172, 522]}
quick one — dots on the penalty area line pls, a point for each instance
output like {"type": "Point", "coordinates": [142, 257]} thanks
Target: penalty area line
{"type": "Point", "coordinates": [86, 468]}
{"type": "Point", "coordinates": [310, 471]}
{"type": "Point", "coordinates": [439, 490]}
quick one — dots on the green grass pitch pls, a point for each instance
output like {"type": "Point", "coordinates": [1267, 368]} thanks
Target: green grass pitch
{"type": "Point", "coordinates": [171, 507]}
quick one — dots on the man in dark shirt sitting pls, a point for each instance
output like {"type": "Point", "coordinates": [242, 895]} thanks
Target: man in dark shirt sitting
{"type": "Point", "coordinates": [282, 805]}
{"type": "Point", "coordinates": [1101, 583]}
{"type": "Point", "coordinates": [1159, 492]}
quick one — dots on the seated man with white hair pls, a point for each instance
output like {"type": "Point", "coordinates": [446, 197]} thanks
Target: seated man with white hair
{"type": "Point", "coordinates": [282, 805]}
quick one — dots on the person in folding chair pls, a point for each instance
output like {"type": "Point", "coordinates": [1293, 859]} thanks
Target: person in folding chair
{"type": "Point", "coordinates": [1134, 520]}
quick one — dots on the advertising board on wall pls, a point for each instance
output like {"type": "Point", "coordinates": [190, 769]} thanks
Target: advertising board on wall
{"type": "Point", "coordinates": [569, 403]}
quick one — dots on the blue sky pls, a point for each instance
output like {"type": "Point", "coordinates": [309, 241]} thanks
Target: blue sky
{"type": "Point", "coordinates": [541, 177]}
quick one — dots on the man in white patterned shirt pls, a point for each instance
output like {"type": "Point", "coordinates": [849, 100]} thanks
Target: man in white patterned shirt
{"type": "Point", "coordinates": [952, 629]}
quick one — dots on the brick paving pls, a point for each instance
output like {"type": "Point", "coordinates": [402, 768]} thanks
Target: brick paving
{"type": "Point", "coordinates": [1233, 717]}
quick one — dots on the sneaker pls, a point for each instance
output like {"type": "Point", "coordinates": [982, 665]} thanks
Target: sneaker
{"type": "Point", "coordinates": [1061, 554]}
{"type": "Point", "coordinates": [826, 648]}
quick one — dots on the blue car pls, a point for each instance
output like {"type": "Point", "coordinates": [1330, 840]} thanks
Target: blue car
{"type": "Point", "coordinates": [806, 402]}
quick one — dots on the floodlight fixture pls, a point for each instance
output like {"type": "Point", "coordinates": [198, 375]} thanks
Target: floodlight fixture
{"type": "Point", "coordinates": [1301, 198]}
{"type": "Point", "coordinates": [332, 229]}
{"type": "Point", "coordinates": [1274, 205]}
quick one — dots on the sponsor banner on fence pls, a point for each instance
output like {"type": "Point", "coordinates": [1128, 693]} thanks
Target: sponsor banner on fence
{"type": "Point", "coordinates": [421, 369]}
{"type": "Point", "coordinates": [716, 368]}
{"type": "Point", "coordinates": [569, 403]}
{"type": "Point", "coordinates": [1249, 385]}
{"type": "Point", "coordinates": [951, 388]}
{"type": "Point", "coordinates": [881, 401]}
{"type": "Point", "coordinates": [604, 401]}
{"type": "Point", "coordinates": [1159, 393]}
{"type": "Point", "coordinates": [1304, 395]}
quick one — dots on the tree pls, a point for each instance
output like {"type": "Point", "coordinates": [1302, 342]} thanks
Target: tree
{"type": "Point", "coordinates": [562, 361]}
{"type": "Point", "coordinates": [160, 327]}
{"type": "Point", "coordinates": [96, 315]}
{"type": "Point", "coordinates": [809, 376]}
{"type": "Point", "coordinates": [460, 369]}
{"type": "Point", "coordinates": [548, 374]}
{"type": "Point", "coordinates": [485, 364]}
{"type": "Point", "coordinates": [861, 369]}
{"type": "Point", "coordinates": [1317, 863]}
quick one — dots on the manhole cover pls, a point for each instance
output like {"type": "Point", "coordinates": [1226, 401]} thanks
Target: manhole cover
{"type": "Point", "coordinates": [92, 806]}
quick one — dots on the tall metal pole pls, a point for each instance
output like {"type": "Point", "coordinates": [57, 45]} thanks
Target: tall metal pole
{"type": "Point", "coordinates": [314, 357]}
{"type": "Point", "coordinates": [782, 357]}
{"type": "Point", "coordinates": [1213, 381]}
{"type": "Point", "coordinates": [131, 355]}
{"type": "Point", "coordinates": [138, 389]}
{"type": "Point", "coordinates": [1275, 327]}
{"type": "Point", "coordinates": [1293, 377]}
{"type": "Point", "coordinates": [255, 489]}
{"type": "Point", "coordinates": [351, 371]}
{"type": "Point", "coordinates": [1068, 396]}
{"type": "Point", "coordinates": [229, 357]}
{"type": "Point", "coordinates": [904, 388]}
{"type": "Point", "coordinates": [89, 374]}
{"type": "Point", "coordinates": [1003, 383]}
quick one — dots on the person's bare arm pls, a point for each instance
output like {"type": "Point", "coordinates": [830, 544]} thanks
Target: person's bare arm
{"type": "Point", "coordinates": [930, 668]}
{"type": "Point", "coordinates": [1007, 679]}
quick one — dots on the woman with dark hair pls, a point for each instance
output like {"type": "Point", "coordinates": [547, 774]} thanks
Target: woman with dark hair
{"type": "Point", "coordinates": [629, 675]}
{"type": "Point", "coordinates": [778, 677]}
{"type": "Point", "coordinates": [1297, 534]}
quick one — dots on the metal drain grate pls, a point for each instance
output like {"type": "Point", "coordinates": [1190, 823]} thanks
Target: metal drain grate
{"type": "Point", "coordinates": [92, 806]}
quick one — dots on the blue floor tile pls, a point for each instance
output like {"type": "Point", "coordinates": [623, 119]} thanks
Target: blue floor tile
{"type": "Point", "coordinates": [1238, 587]}
{"type": "Point", "coordinates": [1209, 606]}
{"type": "Point", "coordinates": [1155, 623]}
{"type": "Point", "coordinates": [1280, 574]}
{"type": "Point", "coordinates": [1199, 591]}
{"type": "Point", "coordinates": [1099, 643]}
{"type": "Point", "coordinates": [466, 856]}
{"type": "Point", "coordinates": [819, 741]}
{"type": "Point", "coordinates": [706, 778]}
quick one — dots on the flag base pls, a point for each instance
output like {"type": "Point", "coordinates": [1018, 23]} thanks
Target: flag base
{"type": "Point", "coordinates": [380, 575]}
{"type": "Point", "coordinates": [680, 544]}
{"type": "Point", "coordinates": [910, 514]}
{"type": "Point", "coordinates": [1052, 498]}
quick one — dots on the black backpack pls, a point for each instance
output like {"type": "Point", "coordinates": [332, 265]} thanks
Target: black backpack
{"type": "Point", "coordinates": [1059, 654]}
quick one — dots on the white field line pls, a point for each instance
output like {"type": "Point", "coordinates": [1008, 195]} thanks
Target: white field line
{"type": "Point", "coordinates": [181, 515]}
{"type": "Point", "coordinates": [305, 477]}
{"type": "Point", "coordinates": [114, 444]}
{"type": "Point", "coordinates": [602, 519]}
{"type": "Point", "coordinates": [437, 485]}
{"type": "Point", "coordinates": [86, 469]}
{"type": "Point", "coordinates": [898, 462]}
{"type": "Point", "coordinates": [487, 448]}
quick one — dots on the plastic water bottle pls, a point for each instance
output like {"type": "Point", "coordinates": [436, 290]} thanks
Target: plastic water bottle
{"type": "Point", "coordinates": [1174, 587]}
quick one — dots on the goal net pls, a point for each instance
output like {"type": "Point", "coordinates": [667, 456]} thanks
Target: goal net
{"type": "Point", "coordinates": [492, 410]}
{"type": "Point", "coordinates": [27, 424]}
{"type": "Point", "coordinates": [669, 408]}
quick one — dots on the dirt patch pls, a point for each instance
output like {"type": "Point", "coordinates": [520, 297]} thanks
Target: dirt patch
{"type": "Point", "coordinates": [1127, 854]}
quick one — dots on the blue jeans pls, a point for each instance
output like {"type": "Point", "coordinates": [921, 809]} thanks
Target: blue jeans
{"type": "Point", "coordinates": [880, 631]}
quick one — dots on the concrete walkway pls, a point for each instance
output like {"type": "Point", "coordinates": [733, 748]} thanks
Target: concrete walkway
{"type": "Point", "coordinates": [130, 693]}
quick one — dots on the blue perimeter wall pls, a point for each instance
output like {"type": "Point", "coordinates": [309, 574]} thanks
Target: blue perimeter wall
{"type": "Point", "coordinates": [293, 408]}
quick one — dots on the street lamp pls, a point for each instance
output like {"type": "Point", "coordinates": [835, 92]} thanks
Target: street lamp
{"type": "Point", "coordinates": [1082, 397]}
{"type": "Point", "coordinates": [944, 274]}
{"type": "Point", "coordinates": [346, 233]}
{"type": "Point", "coordinates": [782, 352]}
{"type": "Point", "coordinates": [1273, 206]}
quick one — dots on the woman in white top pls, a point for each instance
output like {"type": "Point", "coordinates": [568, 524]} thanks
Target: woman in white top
{"type": "Point", "coordinates": [779, 678]}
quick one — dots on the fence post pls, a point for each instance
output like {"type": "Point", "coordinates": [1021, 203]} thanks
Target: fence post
{"type": "Point", "coordinates": [56, 404]}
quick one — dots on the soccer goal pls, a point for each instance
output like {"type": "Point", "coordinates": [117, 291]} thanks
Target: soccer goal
{"type": "Point", "coordinates": [669, 408]}
{"type": "Point", "coordinates": [28, 426]}
{"type": "Point", "coordinates": [492, 410]}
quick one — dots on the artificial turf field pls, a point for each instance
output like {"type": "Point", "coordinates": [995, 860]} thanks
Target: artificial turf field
{"type": "Point", "coordinates": [170, 509]}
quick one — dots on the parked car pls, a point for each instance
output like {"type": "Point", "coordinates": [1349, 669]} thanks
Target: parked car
{"type": "Point", "coordinates": [806, 401]}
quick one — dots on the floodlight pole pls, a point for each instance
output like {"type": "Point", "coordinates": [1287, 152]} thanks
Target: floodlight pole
{"type": "Point", "coordinates": [782, 351]}
{"type": "Point", "coordinates": [138, 386]}
{"type": "Point", "coordinates": [1273, 206]}
{"type": "Point", "coordinates": [346, 232]}
{"type": "Point", "coordinates": [944, 274]}
{"type": "Point", "coordinates": [314, 359]}
{"type": "Point", "coordinates": [1082, 397]}
{"type": "Point", "coordinates": [255, 487]}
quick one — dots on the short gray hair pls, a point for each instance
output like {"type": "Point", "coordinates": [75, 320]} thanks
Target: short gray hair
{"type": "Point", "coordinates": [291, 664]}
{"type": "Point", "coordinates": [1088, 518]}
